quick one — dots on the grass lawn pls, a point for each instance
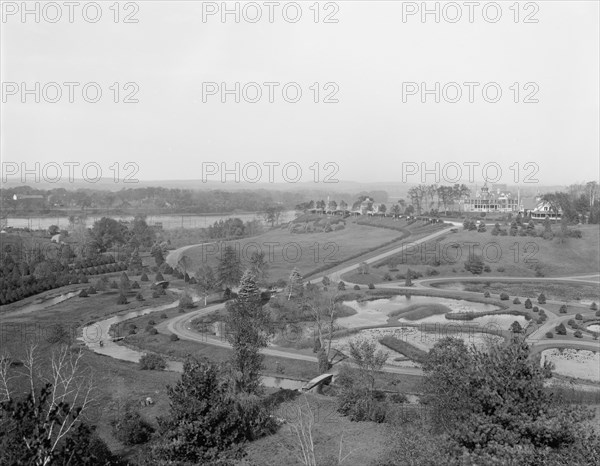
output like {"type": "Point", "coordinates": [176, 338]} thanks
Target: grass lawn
{"type": "Point", "coordinates": [420, 311]}
{"type": "Point", "coordinates": [555, 291]}
{"type": "Point", "coordinates": [362, 441]}
{"type": "Point", "coordinates": [306, 251]}
{"type": "Point", "coordinates": [404, 348]}
{"type": "Point", "coordinates": [505, 255]}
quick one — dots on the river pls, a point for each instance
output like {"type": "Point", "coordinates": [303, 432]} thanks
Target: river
{"type": "Point", "coordinates": [169, 222]}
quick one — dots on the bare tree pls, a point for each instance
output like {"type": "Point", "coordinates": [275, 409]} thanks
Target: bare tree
{"type": "Point", "coordinates": [301, 427]}
{"type": "Point", "coordinates": [70, 392]}
{"type": "Point", "coordinates": [323, 312]}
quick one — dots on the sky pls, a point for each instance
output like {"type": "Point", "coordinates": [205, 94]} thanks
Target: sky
{"type": "Point", "coordinates": [371, 67]}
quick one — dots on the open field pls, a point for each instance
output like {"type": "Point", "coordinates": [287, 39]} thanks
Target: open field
{"type": "Point", "coordinates": [306, 251]}
{"type": "Point", "coordinates": [554, 291]}
{"type": "Point", "coordinates": [505, 255]}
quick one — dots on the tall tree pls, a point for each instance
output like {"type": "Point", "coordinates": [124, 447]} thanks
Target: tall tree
{"type": "Point", "coordinates": [248, 327]}
{"type": "Point", "coordinates": [259, 266]}
{"type": "Point", "coordinates": [230, 267]}
{"type": "Point", "coordinates": [294, 286]}
{"type": "Point", "coordinates": [206, 281]}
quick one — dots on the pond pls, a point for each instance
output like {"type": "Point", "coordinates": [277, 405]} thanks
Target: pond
{"type": "Point", "coordinates": [580, 364]}
{"type": "Point", "coordinates": [376, 312]}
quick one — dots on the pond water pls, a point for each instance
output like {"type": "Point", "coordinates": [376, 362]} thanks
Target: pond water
{"type": "Point", "coordinates": [580, 364]}
{"type": "Point", "coordinates": [376, 312]}
{"type": "Point", "coordinates": [169, 222]}
{"type": "Point", "coordinates": [424, 340]}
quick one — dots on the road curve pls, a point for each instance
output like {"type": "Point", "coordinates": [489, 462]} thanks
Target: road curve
{"type": "Point", "coordinates": [181, 326]}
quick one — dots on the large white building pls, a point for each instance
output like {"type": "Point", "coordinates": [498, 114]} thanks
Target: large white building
{"type": "Point", "coordinates": [486, 201]}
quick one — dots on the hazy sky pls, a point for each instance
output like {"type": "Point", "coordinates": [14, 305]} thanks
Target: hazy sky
{"type": "Point", "coordinates": [369, 53]}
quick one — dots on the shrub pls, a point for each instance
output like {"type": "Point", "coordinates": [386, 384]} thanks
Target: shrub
{"type": "Point", "coordinates": [500, 269]}
{"type": "Point", "coordinates": [155, 294]}
{"type": "Point", "coordinates": [144, 277]}
{"type": "Point", "coordinates": [131, 429]}
{"type": "Point", "coordinates": [486, 294]}
{"type": "Point", "coordinates": [135, 286]}
{"type": "Point", "coordinates": [516, 301]}
{"type": "Point", "coordinates": [549, 335]}
{"type": "Point", "coordinates": [597, 313]}
{"type": "Point", "coordinates": [159, 277]}
{"type": "Point", "coordinates": [504, 296]}
{"type": "Point", "coordinates": [341, 286]}
{"type": "Point", "coordinates": [139, 296]}
{"type": "Point", "coordinates": [487, 269]}
{"type": "Point", "coordinates": [572, 323]}
{"type": "Point", "coordinates": [151, 322]}
{"type": "Point", "coordinates": [152, 331]}
{"type": "Point", "coordinates": [528, 303]}
{"type": "Point", "coordinates": [578, 334]}
{"type": "Point", "coordinates": [131, 331]}
{"type": "Point", "coordinates": [542, 298]}
{"type": "Point", "coordinates": [371, 286]}
{"type": "Point", "coordinates": [563, 309]}
{"type": "Point", "coordinates": [594, 307]}
{"type": "Point", "coordinates": [121, 299]}
{"type": "Point", "coordinates": [356, 287]}
{"type": "Point", "coordinates": [561, 329]}
{"type": "Point", "coordinates": [163, 316]}
{"type": "Point", "coordinates": [578, 317]}
{"type": "Point", "coordinates": [536, 309]}
{"type": "Point", "coordinates": [174, 337]}
{"type": "Point", "coordinates": [91, 290]}
{"type": "Point", "coordinates": [152, 361]}
{"type": "Point", "coordinates": [186, 301]}
{"type": "Point", "coordinates": [83, 294]}
{"type": "Point", "coordinates": [387, 277]}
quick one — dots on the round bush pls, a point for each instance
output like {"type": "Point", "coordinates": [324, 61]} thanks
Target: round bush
{"type": "Point", "coordinates": [536, 309]}
{"type": "Point", "coordinates": [578, 317]}
{"type": "Point", "coordinates": [371, 286]}
{"type": "Point", "coordinates": [139, 297]}
{"type": "Point", "coordinates": [131, 429]}
{"type": "Point", "coordinates": [152, 361]}
{"type": "Point", "coordinates": [151, 322]}
{"type": "Point", "coordinates": [174, 337]}
{"type": "Point", "coordinates": [152, 331]}
{"type": "Point", "coordinates": [504, 296]}
{"type": "Point", "coordinates": [563, 309]}
{"type": "Point", "coordinates": [594, 307]}
{"type": "Point", "coordinates": [578, 334]}
{"type": "Point", "coordinates": [163, 316]}
{"type": "Point", "coordinates": [92, 290]}
{"type": "Point", "coordinates": [549, 335]}
{"type": "Point", "coordinates": [516, 301]}
{"type": "Point", "coordinates": [83, 294]}
{"type": "Point", "coordinates": [356, 287]}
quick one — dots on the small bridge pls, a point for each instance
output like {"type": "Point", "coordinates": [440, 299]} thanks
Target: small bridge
{"type": "Point", "coordinates": [321, 379]}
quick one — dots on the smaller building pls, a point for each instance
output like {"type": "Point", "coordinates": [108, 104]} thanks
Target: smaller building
{"type": "Point", "coordinates": [544, 210]}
